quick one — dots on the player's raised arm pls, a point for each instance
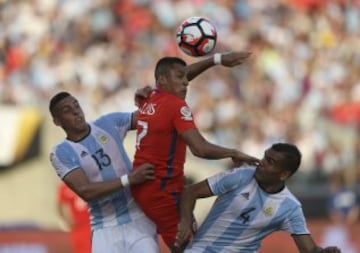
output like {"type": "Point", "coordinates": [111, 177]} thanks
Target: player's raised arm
{"type": "Point", "coordinates": [229, 59]}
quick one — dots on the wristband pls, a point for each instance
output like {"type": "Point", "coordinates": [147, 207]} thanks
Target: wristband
{"type": "Point", "coordinates": [125, 181]}
{"type": "Point", "coordinates": [217, 59]}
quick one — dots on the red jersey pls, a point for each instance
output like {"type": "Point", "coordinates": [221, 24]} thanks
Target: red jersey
{"type": "Point", "coordinates": [162, 118]}
{"type": "Point", "coordinates": [80, 234]}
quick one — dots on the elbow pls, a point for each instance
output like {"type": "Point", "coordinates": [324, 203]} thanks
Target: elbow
{"type": "Point", "coordinates": [198, 152]}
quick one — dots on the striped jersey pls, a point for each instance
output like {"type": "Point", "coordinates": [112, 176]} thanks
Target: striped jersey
{"type": "Point", "coordinates": [101, 155]}
{"type": "Point", "coordinates": [243, 214]}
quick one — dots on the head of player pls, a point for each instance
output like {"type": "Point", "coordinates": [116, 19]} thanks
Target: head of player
{"type": "Point", "coordinates": [280, 161]}
{"type": "Point", "coordinates": [68, 114]}
{"type": "Point", "coordinates": [171, 76]}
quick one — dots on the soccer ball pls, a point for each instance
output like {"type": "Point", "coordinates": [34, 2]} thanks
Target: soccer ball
{"type": "Point", "coordinates": [196, 36]}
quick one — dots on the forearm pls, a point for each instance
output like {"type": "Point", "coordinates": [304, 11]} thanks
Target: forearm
{"type": "Point", "coordinates": [94, 190]}
{"type": "Point", "coordinates": [187, 205]}
{"type": "Point", "coordinates": [317, 250]}
{"type": "Point", "coordinates": [213, 152]}
{"type": "Point", "coordinates": [197, 68]}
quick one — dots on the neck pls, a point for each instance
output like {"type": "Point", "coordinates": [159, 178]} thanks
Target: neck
{"type": "Point", "coordinates": [77, 135]}
{"type": "Point", "coordinates": [271, 187]}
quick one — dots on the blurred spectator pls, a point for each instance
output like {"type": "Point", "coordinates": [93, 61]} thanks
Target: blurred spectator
{"type": "Point", "coordinates": [301, 83]}
{"type": "Point", "coordinates": [343, 210]}
{"type": "Point", "coordinates": [74, 212]}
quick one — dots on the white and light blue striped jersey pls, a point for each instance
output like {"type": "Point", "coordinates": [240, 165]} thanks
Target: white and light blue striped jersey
{"type": "Point", "coordinates": [243, 214]}
{"type": "Point", "coordinates": [101, 155]}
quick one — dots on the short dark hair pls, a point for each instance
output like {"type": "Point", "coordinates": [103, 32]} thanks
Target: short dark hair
{"type": "Point", "coordinates": [165, 64]}
{"type": "Point", "coordinates": [56, 99]}
{"type": "Point", "coordinates": [292, 156]}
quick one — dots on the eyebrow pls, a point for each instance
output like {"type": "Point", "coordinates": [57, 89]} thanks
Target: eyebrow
{"type": "Point", "coordinates": [67, 106]}
{"type": "Point", "coordinates": [270, 158]}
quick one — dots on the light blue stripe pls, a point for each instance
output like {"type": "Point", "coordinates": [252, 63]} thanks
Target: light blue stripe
{"type": "Point", "coordinates": [106, 124]}
{"type": "Point", "coordinates": [236, 228]}
{"type": "Point", "coordinates": [67, 155]}
{"type": "Point", "coordinates": [119, 199]}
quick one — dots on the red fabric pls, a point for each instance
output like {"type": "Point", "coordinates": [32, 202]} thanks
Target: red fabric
{"type": "Point", "coordinates": [80, 235]}
{"type": "Point", "coordinates": [162, 117]}
{"type": "Point", "coordinates": [15, 59]}
{"type": "Point", "coordinates": [347, 113]}
{"type": "Point", "coordinates": [161, 143]}
{"type": "Point", "coordinates": [307, 4]}
{"type": "Point", "coordinates": [161, 206]}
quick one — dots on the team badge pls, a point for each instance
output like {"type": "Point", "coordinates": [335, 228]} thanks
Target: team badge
{"type": "Point", "coordinates": [103, 139]}
{"type": "Point", "coordinates": [186, 113]}
{"type": "Point", "coordinates": [268, 210]}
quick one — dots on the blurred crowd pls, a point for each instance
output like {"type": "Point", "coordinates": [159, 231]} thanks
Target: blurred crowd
{"type": "Point", "coordinates": [301, 84]}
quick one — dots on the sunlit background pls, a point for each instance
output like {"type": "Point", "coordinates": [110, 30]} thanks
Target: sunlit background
{"type": "Point", "coordinates": [301, 85]}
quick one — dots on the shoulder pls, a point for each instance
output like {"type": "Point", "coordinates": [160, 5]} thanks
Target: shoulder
{"type": "Point", "coordinates": [120, 119]}
{"type": "Point", "coordinates": [114, 116]}
{"type": "Point", "coordinates": [287, 194]}
{"type": "Point", "coordinates": [231, 179]}
{"type": "Point", "coordinates": [245, 171]}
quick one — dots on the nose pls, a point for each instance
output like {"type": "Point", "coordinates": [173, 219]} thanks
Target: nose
{"type": "Point", "coordinates": [185, 82]}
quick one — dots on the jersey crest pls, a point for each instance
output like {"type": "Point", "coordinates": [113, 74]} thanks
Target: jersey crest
{"type": "Point", "coordinates": [103, 138]}
{"type": "Point", "coordinates": [186, 113]}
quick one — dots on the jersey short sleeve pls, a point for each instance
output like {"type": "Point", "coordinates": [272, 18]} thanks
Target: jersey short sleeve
{"type": "Point", "coordinates": [183, 117]}
{"type": "Point", "coordinates": [295, 224]}
{"type": "Point", "coordinates": [122, 120]}
{"type": "Point", "coordinates": [64, 159]}
{"type": "Point", "coordinates": [227, 181]}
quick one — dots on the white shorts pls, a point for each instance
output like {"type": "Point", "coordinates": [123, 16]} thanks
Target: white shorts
{"type": "Point", "coordinates": [133, 237]}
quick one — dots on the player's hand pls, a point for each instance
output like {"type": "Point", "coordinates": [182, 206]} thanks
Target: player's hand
{"type": "Point", "coordinates": [186, 230]}
{"type": "Point", "coordinates": [141, 174]}
{"type": "Point", "coordinates": [241, 158]}
{"type": "Point", "coordinates": [232, 59]}
{"type": "Point", "coordinates": [331, 249]}
{"type": "Point", "coordinates": [141, 94]}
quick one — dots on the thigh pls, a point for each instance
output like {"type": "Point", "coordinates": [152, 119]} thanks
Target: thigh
{"type": "Point", "coordinates": [141, 234]}
{"type": "Point", "coordinates": [161, 207]}
{"type": "Point", "coordinates": [109, 240]}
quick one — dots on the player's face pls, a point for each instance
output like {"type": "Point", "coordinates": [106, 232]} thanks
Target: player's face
{"type": "Point", "coordinates": [69, 115]}
{"type": "Point", "coordinates": [176, 81]}
{"type": "Point", "coordinates": [270, 171]}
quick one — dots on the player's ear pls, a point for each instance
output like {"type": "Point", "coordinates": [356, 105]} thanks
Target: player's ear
{"type": "Point", "coordinates": [161, 80]}
{"type": "Point", "coordinates": [56, 121]}
{"type": "Point", "coordinates": [285, 174]}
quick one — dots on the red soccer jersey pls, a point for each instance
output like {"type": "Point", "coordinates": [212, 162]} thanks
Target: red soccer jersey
{"type": "Point", "coordinates": [162, 118]}
{"type": "Point", "coordinates": [80, 234]}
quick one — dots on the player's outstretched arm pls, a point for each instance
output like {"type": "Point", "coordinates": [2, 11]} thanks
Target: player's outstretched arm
{"type": "Point", "coordinates": [306, 244]}
{"type": "Point", "coordinates": [229, 59]}
{"type": "Point", "coordinates": [200, 147]}
{"type": "Point", "coordinates": [80, 184]}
